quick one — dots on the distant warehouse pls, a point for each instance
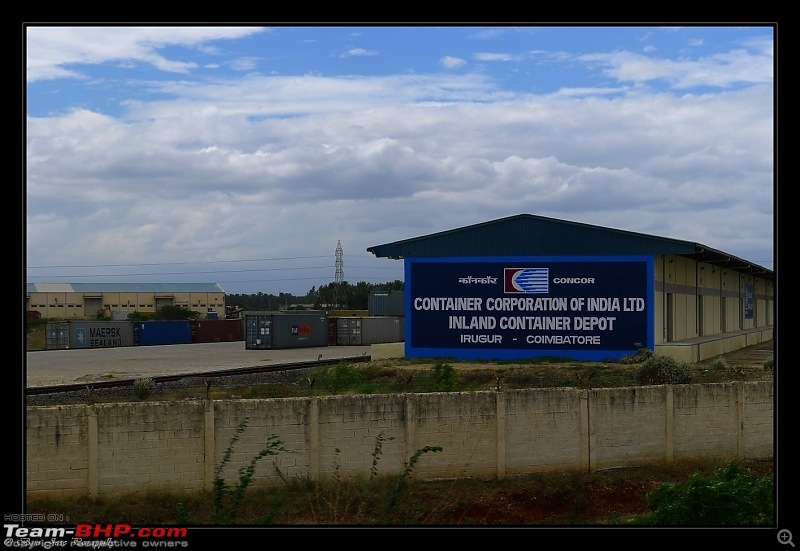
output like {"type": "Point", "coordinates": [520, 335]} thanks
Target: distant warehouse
{"type": "Point", "coordinates": [117, 300]}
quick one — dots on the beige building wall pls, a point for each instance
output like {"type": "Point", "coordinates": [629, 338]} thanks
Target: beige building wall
{"type": "Point", "coordinates": [67, 306]}
{"type": "Point", "coordinates": [698, 299]}
{"type": "Point", "coordinates": [121, 448]}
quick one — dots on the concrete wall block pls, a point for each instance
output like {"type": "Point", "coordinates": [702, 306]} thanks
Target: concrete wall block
{"type": "Point", "coordinates": [163, 445]}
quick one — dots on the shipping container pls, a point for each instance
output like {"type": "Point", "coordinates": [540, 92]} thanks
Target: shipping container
{"type": "Point", "coordinates": [268, 330]}
{"type": "Point", "coordinates": [380, 329]}
{"type": "Point", "coordinates": [155, 332]}
{"type": "Point", "coordinates": [348, 313]}
{"type": "Point", "coordinates": [396, 304]}
{"type": "Point", "coordinates": [216, 330]}
{"type": "Point", "coordinates": [88, 334]}
{"type": "Point", "coordinates": [332, 331]}
{"type": "Point", "coordinates": [360, 331]}
{"type": "Point", "coordinates": [348, 331]}
{"type": "Point", "coordinates": [56, 335]}
{"type": "Point", "coordinates": [378, 303]}
{"type": "Point", "coordinates": [300, 330]}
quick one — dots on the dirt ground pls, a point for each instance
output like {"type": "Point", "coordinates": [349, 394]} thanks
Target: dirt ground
{"type": "Point", "coordinates": [604, 498]}
{"type": "Point", "coordinates": [601, 498]}
{"type": "Point", "coordinates": [609, 498]}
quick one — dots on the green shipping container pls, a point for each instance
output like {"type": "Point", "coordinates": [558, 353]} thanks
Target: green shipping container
{"type": "Point", "coordinates": [270, 330]}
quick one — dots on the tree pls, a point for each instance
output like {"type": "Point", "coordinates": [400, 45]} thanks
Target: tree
{"type": "Point", "coordinates": [172, 312]}
{"type": "Point", "coordinates": [140, 316]}
{"type": "Point", "coordinates": [324, 296]}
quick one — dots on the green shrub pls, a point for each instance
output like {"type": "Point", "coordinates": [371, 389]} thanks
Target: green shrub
{"type": "Point", "coordinates": [31, 324]}
{"type": "Point", "coordinates": [226, 498]}
{"type": "Point", "coordinates": [337, 379]}
{"type": "Point", "coordinates": [143, 388]}
{"type": "Point", "coordinates": [367, 387]}
{"type": "Point", "coordinates": [663, 370]}
{"type": "Point", "coordinates": [140, 316]}
{"type": "Point", "coordinates": [769, 364]}
{"type": "Point", "coordinates": [408, 468]}
{"type": "Point", "coordinates": [175, 312]}
{"type": "Point", "coordinates": [732, 496]}
{"type": "Point", "coordinates": [719, 363]}
{"type": "Point", "coordinates": [642, 355]}
{"type": "Point", "coordinates": [445, 377]}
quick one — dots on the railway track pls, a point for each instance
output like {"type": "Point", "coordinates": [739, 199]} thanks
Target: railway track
{"type": "Point", "coordinates": [217, 374]}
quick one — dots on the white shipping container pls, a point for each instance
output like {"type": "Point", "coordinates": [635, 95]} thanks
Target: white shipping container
{"type": "Point", "coordinates": [380, 329]}
{"type": "Point", "coordinates": [348, 331]}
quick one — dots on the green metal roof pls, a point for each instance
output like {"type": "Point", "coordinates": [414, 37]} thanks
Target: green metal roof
{"type": "Point", "coordinates": [530, 235]}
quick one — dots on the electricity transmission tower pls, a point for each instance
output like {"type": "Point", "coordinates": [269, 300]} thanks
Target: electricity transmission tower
{"type": "Point", "coordinates": [339, 295]}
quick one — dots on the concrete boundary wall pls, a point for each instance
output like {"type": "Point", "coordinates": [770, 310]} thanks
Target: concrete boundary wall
{"type": "Point", "coordinates": [109, 449]}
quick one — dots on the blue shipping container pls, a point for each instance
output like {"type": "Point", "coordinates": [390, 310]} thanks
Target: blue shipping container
{"type": "Point", "coordinates": [378, 303]}
{"type": "Point", "coordinates": [396, 304]}
{"type": "Point", "coordinates": [148, 333]}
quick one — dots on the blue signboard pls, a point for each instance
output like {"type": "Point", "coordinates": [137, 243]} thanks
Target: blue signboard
{"type": "Point", "coordinates": [748, 301]}
{"type": "Point", "coordinates": [585, 308]}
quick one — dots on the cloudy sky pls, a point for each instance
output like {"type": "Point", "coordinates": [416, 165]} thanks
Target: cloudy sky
{"type": "Point", "coordinates": [243, 155]}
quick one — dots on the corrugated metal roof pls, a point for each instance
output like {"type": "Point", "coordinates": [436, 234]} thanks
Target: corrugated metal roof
{"type": "Point", "coordinates": [530, 235]}
{"type": "Point", "coordinates": [124, 288]}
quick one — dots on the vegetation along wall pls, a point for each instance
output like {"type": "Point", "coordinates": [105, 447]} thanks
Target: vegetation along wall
{"type": "Point", "coordinates": [105, 449]}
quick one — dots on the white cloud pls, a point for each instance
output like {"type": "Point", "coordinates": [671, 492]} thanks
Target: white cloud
{"type": "Point", "coordinates": [173, 180]}
{"type": "Point", "coordinates": [50, 49]}
{"type": "Point", "coordinates": [487, 56]}
{"type": "Point", "coordinates": [359, 52]}
{"type": "Point", "coordinates": [725, 69]}
{"type": "Point", "coordinates": [450, 62]}
{"type": "Point", "coordinates": [244, 64]}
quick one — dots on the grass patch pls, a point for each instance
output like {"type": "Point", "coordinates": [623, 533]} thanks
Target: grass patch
{"type": "Point", "coordinates": [613, 497]}
{"type": "Point", "coordinates": [396, 377]}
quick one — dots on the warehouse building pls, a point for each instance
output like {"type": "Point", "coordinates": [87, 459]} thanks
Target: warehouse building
{"type": "Point", "coordinates": [530, 286]}
{"type": "Point", "coordinates": [116, 300]}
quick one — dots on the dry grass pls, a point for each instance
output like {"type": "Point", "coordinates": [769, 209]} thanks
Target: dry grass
{"type": "Point", "coordinates": [554, 499]}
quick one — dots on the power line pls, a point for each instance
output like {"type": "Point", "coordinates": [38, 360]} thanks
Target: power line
{"type": "Point", "coordinates": [174, 263]}
{"type": "Point", "coordinates": [68, 276]}
{"type": "Point", "coordinates": [190, 273]}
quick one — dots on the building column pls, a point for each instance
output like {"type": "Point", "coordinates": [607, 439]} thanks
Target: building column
{"type": "Point", "coordinates": [313, 438]}
{"type": "Point", "coordinates": [93, 477]}
{"type": "Point", "coordinates": [210, 444]}
{"type": "Point", "coordinates": [500, 443]}
{"type": "Point", "coordinates": [587, 461]}
{"type": "Point", "coordinates": [669, 423]}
